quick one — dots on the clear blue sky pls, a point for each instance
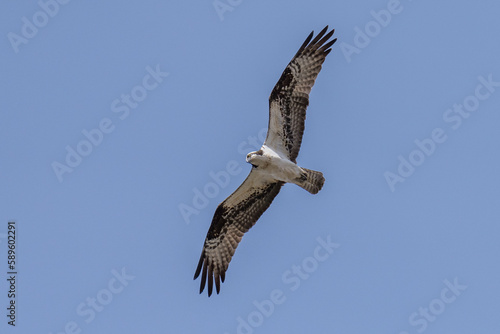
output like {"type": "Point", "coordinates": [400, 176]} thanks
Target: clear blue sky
{"type": "Point", "coordinates": [117, 115]}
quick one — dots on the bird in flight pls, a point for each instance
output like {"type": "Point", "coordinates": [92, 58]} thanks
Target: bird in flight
{"type": "Point", "coordinates": [272, 166]}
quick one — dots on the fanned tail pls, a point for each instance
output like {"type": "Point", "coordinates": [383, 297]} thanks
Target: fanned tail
{"type": "Point", "coordinates": [311, 180]}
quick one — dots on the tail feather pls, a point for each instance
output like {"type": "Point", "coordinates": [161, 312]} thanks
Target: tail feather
{"type": "Point", "coordinates": [311, 180]}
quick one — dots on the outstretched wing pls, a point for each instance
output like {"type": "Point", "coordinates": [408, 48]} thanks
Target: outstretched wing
{"type": "Point", "coordinates": [290, 97]}
{"type": "Point", "coordinates": [233, 217]}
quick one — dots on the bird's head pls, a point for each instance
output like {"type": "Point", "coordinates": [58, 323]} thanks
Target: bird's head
{"type": "Point", "coordinates": [254, 157]}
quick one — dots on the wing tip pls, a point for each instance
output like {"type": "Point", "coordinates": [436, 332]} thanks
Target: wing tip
{"type": "Point", "coordinates": [200, 264]}
{"type": "Point", "coordinates": [318, 43]}
{"type": "Point", "coordinates": [209, 274]}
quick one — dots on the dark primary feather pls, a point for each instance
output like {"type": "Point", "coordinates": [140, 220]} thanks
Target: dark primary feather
{"type": "Point", "coordinates": [232, 218]}
{"type": "Point", "coordinates": [290, 97]}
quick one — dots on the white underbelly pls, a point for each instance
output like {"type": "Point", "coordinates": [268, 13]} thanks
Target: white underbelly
{"type": "Point", "coordinates": [283, 170]}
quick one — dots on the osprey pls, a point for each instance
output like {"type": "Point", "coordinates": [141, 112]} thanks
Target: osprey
{"type": "Point", "coordinates": [272, 166]}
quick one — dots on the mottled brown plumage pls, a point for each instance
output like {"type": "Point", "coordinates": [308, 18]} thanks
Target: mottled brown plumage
{"type": "Point", "coordinates": [290, 97]}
